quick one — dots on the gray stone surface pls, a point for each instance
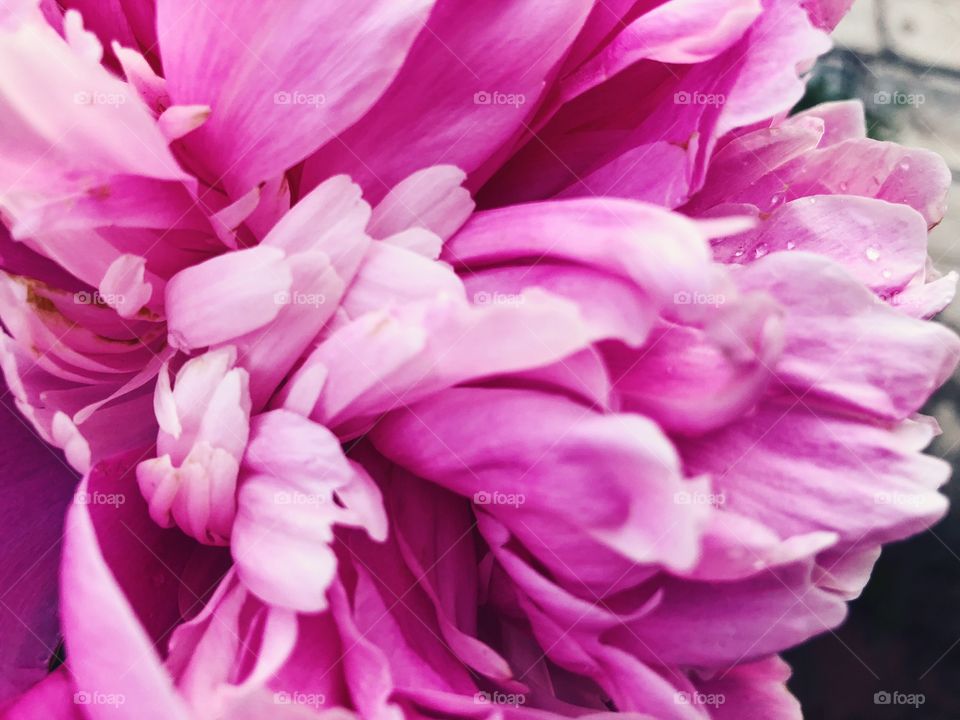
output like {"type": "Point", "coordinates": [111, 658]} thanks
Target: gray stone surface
{"type": "Point", "coordinates": [924, 31]}
{"type": "Point", "coordinates": [858, 30]}
{"type": "Point", "coordinates": [927, 31]}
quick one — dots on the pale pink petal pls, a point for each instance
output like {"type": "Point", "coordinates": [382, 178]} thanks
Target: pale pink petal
{"type": "Point", "coordinates": [287, 510]}
{"type": "Point", "coordinates": [179, 120]}
{"type": "Point", "coordinates": [226, 297]}
{"type": "Point", "coordinates": [835, 331]}
{"type": "Point", "coordinates": [693, 380]}
{"type": "Point", "coordinates": [150, 87]}
{"type": "Point", "coordinates": [536, 455]}
{"type": "Point", "coordinates": [801, 471]}
{"type": "Point", "coordinates": [81, 126]}
{"type": "Point", "coordinates": [882, 245]}
{"type": "Point", "coordinates": [388, 358]}
{"type": "Point", "coordinates": [123, 286]}
{"type": "Point", "coordinates": [432, 198]}
{"type": "Point", "coordinates": [660, 251]}
{"type": "Point", "coordinates": [715, 624]}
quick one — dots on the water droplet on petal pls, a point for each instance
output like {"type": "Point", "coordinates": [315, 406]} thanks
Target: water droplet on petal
{"type": "Point", "coordinates": [905, 165]}
{"type": "Point", "coordinates": [760, 251]}
{"type": "Point", "coordinates": [873, 254]}
{"type": "Point", "coordinates": [844, 187]}
{"type": "Point", "coordinates": [791, 245]}
{"type": "Point", "coordinates": [887, 274]}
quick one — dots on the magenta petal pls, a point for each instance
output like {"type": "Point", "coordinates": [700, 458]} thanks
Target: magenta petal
{"type": "Point", "coordinates": [109, 542]}
{"type": "Point", "coordinates": [753, 691]}
{"type": "Point", "coordinates": [53, 698]}
{"type": "Point", "coordinates": [746, 619]}
{"type": "Point", "coordinates": [681, 32]}
{"type": "Point", "coordinates": [308, 88]}
{"type": "Point", "coordinates": [692, 380]}
{"type": "Point", "coordinates": [435, 103]}
{"type": "Point", "coordinates": [40, 486]}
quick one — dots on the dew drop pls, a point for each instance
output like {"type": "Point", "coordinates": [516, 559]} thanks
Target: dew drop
{"type": "Point", "coordinates": [905, 165]}
{"type": "Point", "coordinates": [791, 245]}
{"type": "Point", "coordinates": [887, 274]}
{"type": "Point", "coordinates": [760, 251]}
{"type": "Point", "coordinates": [873, 254]}
{"type": "Point", "coordinates": [844, 187]}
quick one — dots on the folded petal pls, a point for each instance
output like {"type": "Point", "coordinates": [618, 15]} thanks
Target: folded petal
{"type": "Point", "coordinates": [274, 103]}
{"type": "Point", "coordinates": [226, 297]}
{"type": "Point", "coordinates": [799, 471]}
{"type": "Point", "coordinates": [836, 329]}
{"type": "Point", "coordinates": [432, 198]}
{"type": "Point", "coordinates": [109, 544]}
{"type": "Point", "coordinates": [466, 88]}
{"type": "Point", "coordinates": [536, 455]}
{"type": "Point", "coordinates": [882, 245]}
{"type": "Point", "coordinates": [292, 495]}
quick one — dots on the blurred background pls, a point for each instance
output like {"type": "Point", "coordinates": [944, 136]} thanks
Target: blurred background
{"type": "Point", "coordinates": [902, 59]}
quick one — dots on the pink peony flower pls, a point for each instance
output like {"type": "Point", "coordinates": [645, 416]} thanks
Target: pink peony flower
{"type": "Point", "coordinates": [432, 358]}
